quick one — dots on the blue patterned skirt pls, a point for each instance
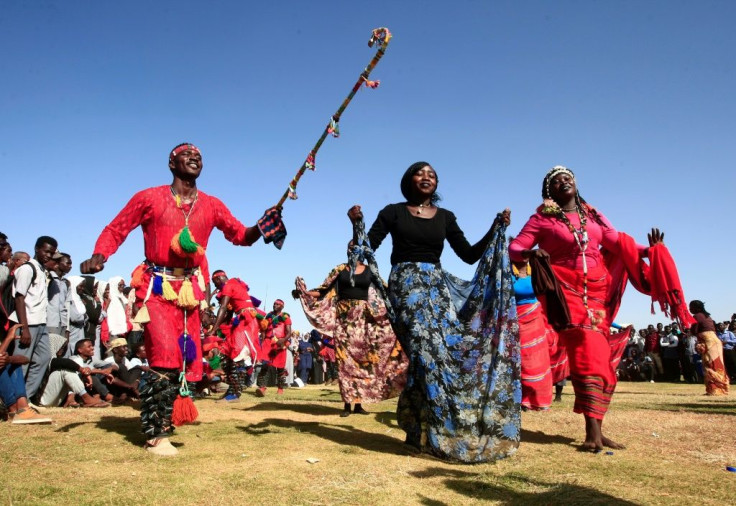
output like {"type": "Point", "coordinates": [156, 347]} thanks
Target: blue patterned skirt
{"type": "Point", "coordinates": [463, 394]}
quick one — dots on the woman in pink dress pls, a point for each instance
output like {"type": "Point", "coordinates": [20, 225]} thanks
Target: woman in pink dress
{"type": "Point", "coordinates": [573, 237]}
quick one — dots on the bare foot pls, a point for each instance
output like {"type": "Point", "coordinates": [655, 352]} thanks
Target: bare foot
{"type": "Point", "coordinates": [592, 445]}
{"type": "Point", "coordinates": [608, 442]}
{"type": "Point", "coordinates": [593, 437]}
{"type": "Point", "coordinates": [612, 444]}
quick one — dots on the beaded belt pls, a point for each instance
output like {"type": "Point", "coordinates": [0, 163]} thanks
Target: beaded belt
{"type": "Point", "coordinates": [177, 272]}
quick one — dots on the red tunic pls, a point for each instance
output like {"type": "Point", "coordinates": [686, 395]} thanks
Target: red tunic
{"type": "Point", "coordinates": [155, 210]}
{"type": "Point", "coordinates": [276, 353]}
{"type": "Point", "coordinates": [246, 330]}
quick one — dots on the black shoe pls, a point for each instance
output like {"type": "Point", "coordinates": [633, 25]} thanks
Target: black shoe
{"type": "Point", "coordinates": [359, 410]}
{"type": "Point", "coordinates": [345, 413]}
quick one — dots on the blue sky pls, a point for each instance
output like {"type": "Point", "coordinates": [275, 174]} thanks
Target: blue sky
{"type": "Point", "coordinates": [636, 97]}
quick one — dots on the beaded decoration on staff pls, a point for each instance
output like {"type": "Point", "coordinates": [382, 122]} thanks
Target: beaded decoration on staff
{"type": "Point", "coordinates": [380, 37]}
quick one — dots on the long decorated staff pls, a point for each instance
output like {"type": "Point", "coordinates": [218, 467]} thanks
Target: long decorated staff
{"type": "Point", "coordinates": [380, 37]}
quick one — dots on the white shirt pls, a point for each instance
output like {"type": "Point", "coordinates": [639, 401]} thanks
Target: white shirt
{"type": "Point", "coordinates": [36, 294]}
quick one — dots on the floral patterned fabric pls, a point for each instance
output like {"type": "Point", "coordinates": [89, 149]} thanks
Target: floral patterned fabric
{"type": "Point", "coordinates": [463, 393]}
{"type": "Point", "coordinates": [371, 365]}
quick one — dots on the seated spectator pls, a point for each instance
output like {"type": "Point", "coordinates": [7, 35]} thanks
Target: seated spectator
{"type": "Point", "coordinates": [212, 369]}
{"type": "Point", "coordinates": [101, 370]}
{"type": "Point", "coordinates": [639, 367]}
{"type": "Point", "coordinates": [12, 385]}
{"type": "Point", "coordinates": [138, 364]}
{"type": "Point", "coordinates": [67, 382]}
{"type": "Point", "coordinates": [124, 383]}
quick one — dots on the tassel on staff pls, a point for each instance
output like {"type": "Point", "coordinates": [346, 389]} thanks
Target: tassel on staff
{"type": "Point", "coordinates": [380, 37]}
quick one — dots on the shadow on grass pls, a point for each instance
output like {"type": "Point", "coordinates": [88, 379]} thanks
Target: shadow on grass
{"type": "Point", "coordinates": [306, 409]}
{"type": "Point", "coordinates": [539, 437]}
{"type": "Point", "coordinates": [514, 489]}
{"type": "Point", "coordinates": [620, 391]}
{"type": "Point", "coordinates": [346, 435]}
{"type": "Point", "coordinates": [706, 408]}
{"type": "Point", "coordinates": [128, 427]}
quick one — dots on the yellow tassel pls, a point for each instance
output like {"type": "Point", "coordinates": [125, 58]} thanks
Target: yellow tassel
{"type": "Point", "coordinates": [142, 315]}
{"type": "Point", "coordinates": [168, 290]}
{"type": "Point", "coordinates": [186, 296]}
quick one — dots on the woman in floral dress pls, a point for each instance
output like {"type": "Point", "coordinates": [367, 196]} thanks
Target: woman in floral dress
{"type": "Point", "coordinates": [463, 392]}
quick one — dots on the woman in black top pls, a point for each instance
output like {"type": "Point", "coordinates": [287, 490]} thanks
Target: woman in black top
{"type": "Point", "coordinates": [463, 389]}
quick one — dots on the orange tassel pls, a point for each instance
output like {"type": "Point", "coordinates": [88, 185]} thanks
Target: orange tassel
{"type": "Point", "coordinates": [184, 411]}
{"type": "Point", "coordinates": [136, 278]}
{"type": "Point", "coordinates": [372, 84]}
{"type": "Point", "coordinates": [176, 247]}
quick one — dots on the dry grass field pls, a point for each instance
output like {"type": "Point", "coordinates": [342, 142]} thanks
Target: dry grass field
{"type": "Point", "coordinates": [256, 452]}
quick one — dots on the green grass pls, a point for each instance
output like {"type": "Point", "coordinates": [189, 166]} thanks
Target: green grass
{"type": "Point", "coordinates": [256, 451]}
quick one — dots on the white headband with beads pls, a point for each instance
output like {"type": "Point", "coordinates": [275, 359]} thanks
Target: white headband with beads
{"type": "Point", "coordinates": [557, 169]}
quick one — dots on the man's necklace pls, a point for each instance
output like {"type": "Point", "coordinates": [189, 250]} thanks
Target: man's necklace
{"type": "Point", "coordinates": [178, 200]}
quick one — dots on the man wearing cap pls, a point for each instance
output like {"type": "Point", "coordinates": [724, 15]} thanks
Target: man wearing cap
{"type": "Point", "coordinates": [31, 299]}
{"type": "Point", "coordinates": [241, 348]}
{"type": "Point", "coordinates": [124, 383]}
{"type": "Point", "coordinates": [275, 341]}
{"type": "Point", "coordinates": [177, 221]}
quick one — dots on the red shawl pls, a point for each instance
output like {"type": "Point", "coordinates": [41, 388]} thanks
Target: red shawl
{"type": "Point", "coordinates": [659, 279]}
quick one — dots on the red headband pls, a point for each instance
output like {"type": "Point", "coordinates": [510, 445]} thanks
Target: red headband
{"type": "Point", "coordinates": [183, 147]}
{"type": "Point", "coordinates": [218, 272]}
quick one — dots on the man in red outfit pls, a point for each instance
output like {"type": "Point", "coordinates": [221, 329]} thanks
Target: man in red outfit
{"type": "Point", "coordinates": [177, 221]}
{"type": "Point", "coordinates": [275, 342]}
{"type": "Point", "coordinates": [241, 347]}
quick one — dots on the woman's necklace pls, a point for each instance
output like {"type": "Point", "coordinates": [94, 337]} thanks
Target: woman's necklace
{"type": "Point", "coordinates": [581, 239]}
{"type": "Point", "coordinates": [515, 270]}
{"type": "Point", "coordinates": [420, 207]}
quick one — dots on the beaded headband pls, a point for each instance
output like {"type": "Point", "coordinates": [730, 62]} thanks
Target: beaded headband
{"type": "Point", "coordinates": [183, 147]}
{"type": "Point", "coordinates": [557, 169]}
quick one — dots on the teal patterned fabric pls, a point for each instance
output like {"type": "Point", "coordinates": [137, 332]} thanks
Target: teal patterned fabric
{"type": "Point", "coordinates": [463, 394]}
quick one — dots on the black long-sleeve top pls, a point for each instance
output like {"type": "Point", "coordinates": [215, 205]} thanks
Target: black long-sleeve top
{"type": "Point", "coordinates": [64, 364]}
{"type": "Point", "coordinates": [345, 291]}
{"type": "Point", "coordinates": [418, 239]}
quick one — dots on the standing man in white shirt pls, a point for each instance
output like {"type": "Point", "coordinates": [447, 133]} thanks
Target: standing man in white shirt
{"type": "Point", "coordinates": [57, 312]}
{"type": "Point", "coordinates": [31, 300]}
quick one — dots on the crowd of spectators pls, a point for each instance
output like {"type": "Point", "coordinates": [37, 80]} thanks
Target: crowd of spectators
{"type": "Point", "coordinates": [667, 353]}
{"type": "Point", "coordinates": [75, 342]}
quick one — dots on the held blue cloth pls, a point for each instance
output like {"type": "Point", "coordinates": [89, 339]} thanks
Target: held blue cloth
{"type": "Point", "coordinates": [463, 389]}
